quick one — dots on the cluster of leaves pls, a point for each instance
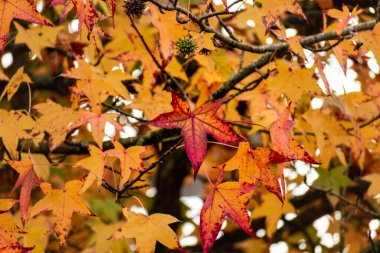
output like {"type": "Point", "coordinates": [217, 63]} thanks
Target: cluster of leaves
{"type": "Point", "coordinates": [83, 93]}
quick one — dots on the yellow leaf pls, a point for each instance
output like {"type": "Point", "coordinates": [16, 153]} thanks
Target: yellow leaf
{"type": "Point", "coordinates": [270, 202]}
{"type": "Point", "coordinates": [374, 188]}
{"type": "Point", "coordinates": [148, 230]}
{"type": "Point", "coordinates": [63, 203]}
{"type": "Point", "coordinates": [14, 83]}
{"type": "Point", "coordinates": [37, 37]}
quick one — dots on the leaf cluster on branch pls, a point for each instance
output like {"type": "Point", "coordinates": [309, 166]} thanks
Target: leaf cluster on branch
{"type": "Point", "coordinates": [267, 114]}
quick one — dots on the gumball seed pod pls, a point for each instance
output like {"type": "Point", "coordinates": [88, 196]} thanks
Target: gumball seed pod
{"type": "Point", "coordinates": [186, 46]}
{"type": "Point", "coordinates": [134, 8]}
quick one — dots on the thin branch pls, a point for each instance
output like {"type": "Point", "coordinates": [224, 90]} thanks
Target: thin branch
{"type": "Point", "coordinates": [370, 121]}
{"type": "Point", "coordinates": [240, 75]}
{"type": "Point", "coordinates": [309, 40]}
{"type": "Point", "coordinates": [250, 86]}
{"type": "Point", "coordinates": [128, 185]}
{"type": "Point", "coordinates": [174, 81]}
{"type": "Point", "coordinates": [223, 24]}
{"type": "Point", "coordinates": [217, 13]}
{"type": "Point", "coordinates": [345, 201]}
{"type": "Point", "coordinates": [323, 49]}
{"type": "Point", "coordinates": [123, 112]}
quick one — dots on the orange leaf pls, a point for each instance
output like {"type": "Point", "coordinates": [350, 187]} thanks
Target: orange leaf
{"type": "Point", "coordinates": [253, 165]}
{"type": "Point", "coordinates": [283, 143]}
{"type": "Point", "coordinates": [95, 165]}
{"type": "Point", "coordinates": [20, 9]}
{"type": "Point", "coordinates": [63, 203]}
{"type": "Point", "coordinates": [12, 128]}
{"type": "Point", "coordinates": [147, 230]}
{"type": "Point", "coordinates": [272, 10]}
{"type": "Point", "coordinates": [27, 179]}
{"type": "Point", "coordinates": [293, 82]}
{"type": "Point", "coordinates": [85, 12]}
{"type": "Point", "coordinates": [55, 120]}
{"type": "Point", "coordinates": [223, 201]}
{"type": "Point", "coordinates": [9, 230]}
{"type": "Point", "coordinates": [129, 159]}
{"type": "Point", "coordinates": [344, 16]}
{"type": "Point", "coordinates": [196, 124]}
{"type": "Point", "coordinates": [97, 121]}
{"type": "Point", "coordinates": [97, 85]}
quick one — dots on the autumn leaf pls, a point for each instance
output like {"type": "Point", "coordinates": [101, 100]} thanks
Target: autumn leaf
{"type": "Point", "coordinates": [195, 125]}
{"type": "Point", "coordinates": [9, 230]}
{"type": "Point", "coordinates": [85, 12]}
{"type": "Point", "coordinates": [37, 233]}
{"type": "Point", "coordinates": [293, 82]}
{"type": "Point", "coordinates": [63, 203]}
{"type": "Point", "coordinates": [370, 40]}
{"type": "Point", "coordinates": [129, 159]}
{"type": "Point", "coordinates": [14, 83]}
{"type": "Point", "coordinates": [95, 165]}
{"type": "Point", "coordinates": [101, 238]}
{"type": "Point", "coordinates": [224, 201]}
{"type": "Point", "coordinates": [12, 128]}
{"type": "Point", "coordinates": [169, 32]}
{"type": "Point", "coordinates": [344, 16]}
{"type": "Point", "coordinates": [374, 188]}
{"type": "Point", "coordinates": [6, 204]}
{"type": "Point", "coordinates": [96, 84]}
{"type": "Point", "coordinates": [27, 180]}
{"type": "Point", "coordinates": [147, 230]}
{"type": "Point", "coordinates": [293, 42]}
{"type": "Point", "coordinates": [283, 143]}
{"type": "Point", "coordinates": [270, 202]}
{"type": "Point", "coordinates": [20, 9]}
{"type": "Point", "coordinates": [253, 165]}
{"type": "Point", "coordinates": [37, 38]}
{"type": "Point", "coordinates": [55, 120]}
{"type": "Point", "coordinates": [97, 121]}
{"type": "Point", "coordinates": [272, 10]}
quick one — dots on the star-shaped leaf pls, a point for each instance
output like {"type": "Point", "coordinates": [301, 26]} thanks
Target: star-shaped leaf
{"type": "Point", "coordinates": [63, 203]}
{"type": "Point", "coordinates": [95, 165]}
{"type": "Point", "coordinates": [21, 9]}
{"type": "Point", "coordinates": [27, 180]}
{"type": "Point", "coordinates": [293, 82]}
{"type": "Point", "coordinates": [223, 201]}
{"type": "Point", "coordinates": [147, 230]}
{"type": "Point", "coordinates": [55, 120]}
{"type": "Point", "coordinates": [195, 125]}
{"type": "Point", "coordinates": [129, 159]}
{"type": "Point", "coordinates": [283, 143]}
{"type": "Point", "coordinates": [344, 16]}
{"type": "Point", "coordinates": [253, 165]}
{"type": "Point", "coordinates": [97, 121]}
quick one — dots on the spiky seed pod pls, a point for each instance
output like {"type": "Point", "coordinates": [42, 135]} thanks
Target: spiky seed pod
{"type": "Point", "coordinates": [186, 46]}
{"type": "Point", "coordinates": [134, 8]}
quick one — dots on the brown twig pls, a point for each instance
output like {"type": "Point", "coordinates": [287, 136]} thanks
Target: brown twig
{"type": "Point", "coordinates": [172, 79]}
{"type": "Point", "coordinates": [345, 200]}
{"type": "Point", "coordinates": [128, 185]}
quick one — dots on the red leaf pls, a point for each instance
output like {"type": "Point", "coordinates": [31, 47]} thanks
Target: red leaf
{"type": "Point", "coordinates": [225, 200]}
{"type": "Point", "coordinates": [195, 126]}
{"type": "Point", "coordinates": [283, 143]}
{"type": "Point", "coordinates": [27, 179]}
